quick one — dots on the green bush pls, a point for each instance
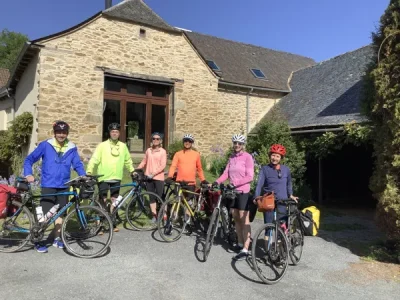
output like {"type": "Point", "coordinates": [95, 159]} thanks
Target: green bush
{"type": "Point", "coordinates": [382, 102]}
{"type": "Point", "coordinates": [174, 147]}
{"type": "Point", "coordinates": [276, 131]}
{"type": "Point", "coordinates": [14, 139]}
{"type": "Point", "coordinates": [218, 160]}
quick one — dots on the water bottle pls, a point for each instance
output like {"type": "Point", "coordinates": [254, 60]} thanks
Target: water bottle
{"type": "Point", "coordinates": [39, 213]}
{"type": "Point", "coordinates": [117, 201]}
{"type": "Point", "coordinates": [51, 212]}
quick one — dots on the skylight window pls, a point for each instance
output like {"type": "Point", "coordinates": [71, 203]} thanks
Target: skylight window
{"type": "Point", "coordinates": [213, 65]}
{"type": "Point", "coordinates": [258, 73]}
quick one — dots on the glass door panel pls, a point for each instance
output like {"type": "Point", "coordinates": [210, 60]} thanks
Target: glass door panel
{"type": "Point", "coordinates": [158, 116]}
{"type": "Point", "coordinates": [135, 126]}
{"type": "Point", "coordinates": [111, 114]}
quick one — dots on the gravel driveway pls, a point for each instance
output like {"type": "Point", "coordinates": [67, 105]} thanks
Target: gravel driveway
{"type": "Point", "coordinates": [140, 267]}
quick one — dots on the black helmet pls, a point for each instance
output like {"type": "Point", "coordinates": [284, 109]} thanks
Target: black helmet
{"type": "Point", "coordinates": [114, 126]}
{"type": "Point", "coordinates": [60, 126]}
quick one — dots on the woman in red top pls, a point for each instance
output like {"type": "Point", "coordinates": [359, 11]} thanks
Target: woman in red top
{"type": "Point", "coordinates": [155, 161]}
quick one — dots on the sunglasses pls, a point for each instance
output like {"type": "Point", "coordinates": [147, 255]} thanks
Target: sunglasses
{"type": "Point", "coordinates": [187, 141]}
{"type": "Point", "coordinates": [238, 143]}
{"type": "Point", "coordinates": [156, 139]}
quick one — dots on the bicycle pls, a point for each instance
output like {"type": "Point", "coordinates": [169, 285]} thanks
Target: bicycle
{"type": "Point", "coordinates": [170, 219]}
{"type": "Point", "coordinates": [227, 194]}
{"type": "Point", "coordinates": [289, 236]}
{"type": "Point", "coordinates": [80, 226]}
{"type": "Point", "coordinates": [137, 211]}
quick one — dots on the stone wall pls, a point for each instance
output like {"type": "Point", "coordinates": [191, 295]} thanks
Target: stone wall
{"type": "Point", "coordinates": [71, 84]}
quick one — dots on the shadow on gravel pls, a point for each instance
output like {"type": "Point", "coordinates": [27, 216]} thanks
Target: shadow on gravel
{"type": "Point", "coordinates": [355, 229]}
{"type": "Point", "coordinates": [108, 251]}
{"type": "Point", "coordinates": [158, 239]}
{"type": "Point", "coordinates": [249, 263]}
{"type": "Point", "coordinates": [199, 249]}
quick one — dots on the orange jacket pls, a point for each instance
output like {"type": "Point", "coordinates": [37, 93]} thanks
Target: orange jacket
{"type": "Point", "coordinates": [187, 162]}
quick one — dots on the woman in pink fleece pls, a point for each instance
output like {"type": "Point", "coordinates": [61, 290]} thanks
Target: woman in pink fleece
{"type": "Point", "coordinates": [240, 171]}
{"type": "Point", "coordinates": [155, 161]}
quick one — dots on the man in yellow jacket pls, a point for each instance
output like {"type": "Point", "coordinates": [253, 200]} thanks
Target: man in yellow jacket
{"type": "Point", "coordinates": [110, 157]}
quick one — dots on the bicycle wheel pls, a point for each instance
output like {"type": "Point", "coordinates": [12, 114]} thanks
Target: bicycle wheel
{"type": "Point", "coordinates": [15, 230]}
{"type": "Point", "coordinates": [171, 219]}
{"type": "Point", "coordinates": [80, 231]}
{"type": "Point", "coordinates": [138, 211]}
{"type": "Point", "coordinates": [270, 258]}
{"type": "Point", "coordinates": [212, 230]}
{"type": "Point", "coordinates": [296, 241]}
{"type": "Point", "coordinates": [228, 227]}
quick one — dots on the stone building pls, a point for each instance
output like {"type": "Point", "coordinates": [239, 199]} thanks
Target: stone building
{"type": "Point", "coordinates": [126, 64]}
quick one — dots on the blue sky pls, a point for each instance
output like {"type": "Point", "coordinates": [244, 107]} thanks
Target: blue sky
{"type": "Point", "coordinates": [319, 29]}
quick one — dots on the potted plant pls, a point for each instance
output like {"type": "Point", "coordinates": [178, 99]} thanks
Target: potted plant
{"type": "Point", "coordinates": [133, 129]}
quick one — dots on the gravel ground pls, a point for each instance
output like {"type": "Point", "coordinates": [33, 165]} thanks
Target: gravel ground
{"type": "Point", "coordinates": [140, 267]}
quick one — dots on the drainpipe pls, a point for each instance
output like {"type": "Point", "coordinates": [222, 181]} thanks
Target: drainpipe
{"type": "Point", "coordinates": [316, 130]}
{"type": "Point", "coordinates": [172, 115]}
{"type": "Point", "coordinates": [13, 105]}
{"type": "Point", "coordinates": [248, 111]}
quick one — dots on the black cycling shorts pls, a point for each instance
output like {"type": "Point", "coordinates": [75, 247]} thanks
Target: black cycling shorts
{"type": "Point", "coordinates": [47, 202]}
{"type": "Point", "coordinates": [242, 202]}
{"type": "Point", "coordinates": [104, 186]}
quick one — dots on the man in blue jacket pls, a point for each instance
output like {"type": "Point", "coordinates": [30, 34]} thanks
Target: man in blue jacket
{"type": "Point", "coordinates": [58, 155]}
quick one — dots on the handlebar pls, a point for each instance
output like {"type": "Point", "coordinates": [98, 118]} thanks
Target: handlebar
{"type": "Point", "coordinates": [286, 201]}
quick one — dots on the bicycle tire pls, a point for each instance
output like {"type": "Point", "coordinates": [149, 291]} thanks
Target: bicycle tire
{"type": "Point", "coordinates": [296, 239]}
{"type": "Point", "coordinates": [3, 230]}
{"type": "Point", "coordinates": [282, 256]}
{"type": "Point", "coordinates": [143, 211]}
{"type": "Point", "coordinates": [211, 232]}
{"type": "Point", "coordinates": [78, 238]}
{"type": "Point", "coordinates": [168, 224]}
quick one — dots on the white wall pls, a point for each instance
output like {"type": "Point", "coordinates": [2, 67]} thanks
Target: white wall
{"type": "Point", "coordinates": [6, 112]}
{"type": "Point", "coordinates": [26, 96]}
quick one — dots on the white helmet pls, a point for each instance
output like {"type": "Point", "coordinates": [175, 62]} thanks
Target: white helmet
{"type": "Point", "coordinates": [238, 138]}
{"type": "Point", "coordinates": [188, 136]}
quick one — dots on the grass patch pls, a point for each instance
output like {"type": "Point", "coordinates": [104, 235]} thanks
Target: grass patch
{"type": "Point", "coordinates": [341, 226]}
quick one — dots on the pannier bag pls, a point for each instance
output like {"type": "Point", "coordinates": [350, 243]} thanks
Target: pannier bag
{"type": "Point", "coordinates": [266, 202]}
{"type": "Point", "coordinates": [5, 204]}
{"type": "Point", "coordinates": [310, 220]}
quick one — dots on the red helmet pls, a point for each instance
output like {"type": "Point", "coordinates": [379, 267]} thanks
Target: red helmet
{"type": "Point", "coordinates": [277, 148]}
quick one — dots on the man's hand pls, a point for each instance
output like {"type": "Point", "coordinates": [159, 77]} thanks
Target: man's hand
{"type": "Point", "coordinates": [150, 176]}
{"type": "Point", "coordinates": [205, 182]}
{"type": "Point", "coordinates": [134, 174]}
{"type": "Point", "coordinates": [294, 198]}
{"type": "Point", "coordinates": [30, 178]}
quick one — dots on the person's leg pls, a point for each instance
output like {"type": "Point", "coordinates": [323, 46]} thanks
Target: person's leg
{"type": "Point", "coordinates": [103, 191]}
{"type": "Point", "coordinates": [61, 201]}
{"type": "Point", "coordinates": [244, 221]}
{"type": "Point", "coordinates": [46, 202]}
{"type": "Point", "coordinates": [151, 187]}
{"type": "Point", "coordinates": [114, 193]}
{"type": "Point", "coordinates": [189, 198]}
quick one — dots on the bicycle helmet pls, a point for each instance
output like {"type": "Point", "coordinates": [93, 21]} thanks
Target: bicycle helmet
{"type": "Point", "coordinates": [277, 148]}
{"type": "Point", "coordinates": [157, 133]}
{"type": "Point", "coordinates": [238, 138]}
{"type": "Point", "coordinates": [188, 136]}
{"type": "Point", "coordinates": [60, 126]}
{"type": "Point", "coordinates": [114, 126]}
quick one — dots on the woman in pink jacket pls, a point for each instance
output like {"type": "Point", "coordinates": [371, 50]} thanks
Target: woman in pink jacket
{"type": "Point", "coordinates": [240, 171]}
{"type": "Point", "coordinates": [155, 161]}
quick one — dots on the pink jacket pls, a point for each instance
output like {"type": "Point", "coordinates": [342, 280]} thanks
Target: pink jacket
{"type": "Point", "coordinates": [155, 161]}
{"type": "Point", "coordinates": [240, 171]}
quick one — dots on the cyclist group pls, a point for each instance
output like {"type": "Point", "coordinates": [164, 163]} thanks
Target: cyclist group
{"type": "Point", "coordinates": [59, 155]}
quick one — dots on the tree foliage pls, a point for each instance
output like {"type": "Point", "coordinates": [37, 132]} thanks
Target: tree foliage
{"type": "Point", "coordinates": [11, 44]}
{"type": "Point", "coordinates": [14, 139]}
{"type": "Point", "coordinates": [383, 105]}
{"type": "Point", "coordinates": [273, 131]}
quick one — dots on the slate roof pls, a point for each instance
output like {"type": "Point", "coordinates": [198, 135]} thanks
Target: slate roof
{"type": "Point", "coordinates": [328, 93]}
{"type": "Point", "coordinates": [235, 60]}
{"type": "Point", "coordinates": [4, 75]}
{"type": "Point", "coordinates": [137, 11]}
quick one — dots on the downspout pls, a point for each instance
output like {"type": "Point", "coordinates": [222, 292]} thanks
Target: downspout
{"type": "Point", "coordinates": [13, 106]}
{"type": "Point", "coordinates": [248, 111]}
{"type": "Point", "coordinates": [172, 122]}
